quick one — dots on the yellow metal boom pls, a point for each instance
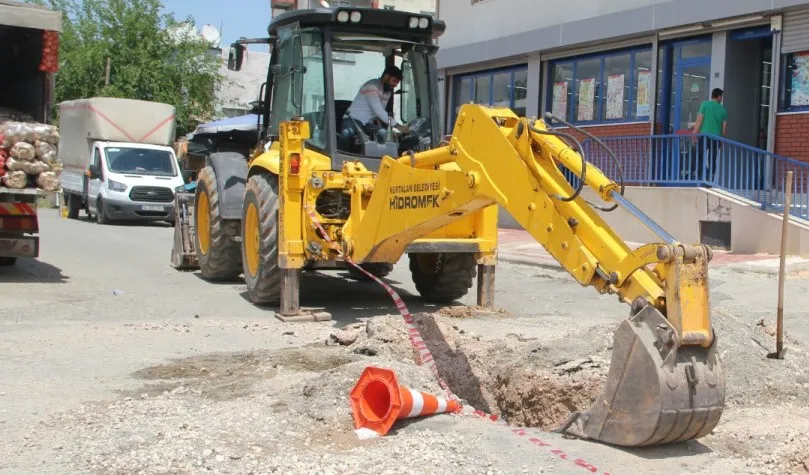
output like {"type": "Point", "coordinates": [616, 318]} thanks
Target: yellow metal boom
{"type": "Point", "coordinates": [665, 383]}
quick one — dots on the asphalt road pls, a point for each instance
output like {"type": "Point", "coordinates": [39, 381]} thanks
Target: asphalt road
{"type": "Point", "coordinates": [103, 302]}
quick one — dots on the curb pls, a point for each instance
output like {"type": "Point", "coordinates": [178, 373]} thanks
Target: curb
{"type": "Point", "coordinates": [527, 261]}
{"type": "Point", "coordinates": [770, 266]}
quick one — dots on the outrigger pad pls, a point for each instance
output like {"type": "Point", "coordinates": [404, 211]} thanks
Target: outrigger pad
{"type": "Point", "coordinates": [656, 392]}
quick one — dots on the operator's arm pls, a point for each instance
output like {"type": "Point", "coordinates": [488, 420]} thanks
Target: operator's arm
{"type": "Point", "coordinates": [373, 94]}
{"type": "Point", "coordinates": [700, 118]}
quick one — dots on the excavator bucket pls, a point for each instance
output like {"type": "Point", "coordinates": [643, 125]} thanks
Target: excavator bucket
{"type": "Point", "coordinates": [657, 392]}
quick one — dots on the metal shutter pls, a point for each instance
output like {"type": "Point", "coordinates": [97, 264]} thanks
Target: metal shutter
{"type": "Point", "coordinates": [795, 33]}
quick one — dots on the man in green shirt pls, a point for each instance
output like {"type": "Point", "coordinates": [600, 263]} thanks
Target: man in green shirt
{"type": "Point", "coordinates": [712, 119]}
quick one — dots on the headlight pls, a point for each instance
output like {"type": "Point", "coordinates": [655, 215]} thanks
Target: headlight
{"type": "Point", "coordinates": [424, 23]}
{"type": "Point", "coordinates": [414, 22]}
{"type": "Point", "coordinates": [342, 16]}
{"type": "Point", "coordinates": [356, 17]}
{"type": "Point", "coordinates": [116, 186]}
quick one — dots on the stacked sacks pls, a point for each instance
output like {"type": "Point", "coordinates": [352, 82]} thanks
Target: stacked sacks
{"type": "Point", "coordinates": [28, 155]}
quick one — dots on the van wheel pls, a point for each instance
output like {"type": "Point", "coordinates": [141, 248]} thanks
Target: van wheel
{"type": "Point", "coordinates": [101, 214]}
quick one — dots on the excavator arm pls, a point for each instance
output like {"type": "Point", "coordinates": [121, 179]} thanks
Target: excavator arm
{"type": "Point", "coordinates": [665, 382]}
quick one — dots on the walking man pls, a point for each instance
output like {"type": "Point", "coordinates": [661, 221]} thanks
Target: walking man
{"type": "Point", "coordinates": [712, 119]}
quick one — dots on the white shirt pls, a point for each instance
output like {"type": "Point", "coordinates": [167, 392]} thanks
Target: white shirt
{"type": "Point", "coordinates": [368, 104]}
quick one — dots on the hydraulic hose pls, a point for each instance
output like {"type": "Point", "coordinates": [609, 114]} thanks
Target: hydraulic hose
{"type": "Point", "coordinates": [549, 115]}
{"type": "Point", "coordinates": [580, 186]}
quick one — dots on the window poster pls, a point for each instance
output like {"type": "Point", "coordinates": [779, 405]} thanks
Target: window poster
{"type": "Point", "coordinates": [799, 95]}
{"type": "Point", "coordinates": [644, 93]}
{"type": "Point", "coordinates": [586, 99]}
{"type": "Point", "coordinates": [560, 99]}
{"type": "Point", "coordinates": [615, 96]}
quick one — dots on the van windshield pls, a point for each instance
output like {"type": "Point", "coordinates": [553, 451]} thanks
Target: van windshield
{"type": "Point", "coordinates": [140, 161]}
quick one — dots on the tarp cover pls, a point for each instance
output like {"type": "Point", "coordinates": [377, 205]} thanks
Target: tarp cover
{"type": "Point", "coordinates": [239, 123]}
{"type": "Point", "coordinates": [25, 15]}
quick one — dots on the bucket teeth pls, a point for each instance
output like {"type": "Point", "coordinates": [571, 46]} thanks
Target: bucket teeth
{"type": "Point", "coordinates": [656, 391]}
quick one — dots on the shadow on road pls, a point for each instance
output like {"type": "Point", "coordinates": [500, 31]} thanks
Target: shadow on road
{"type": "Point", "coordinates": [348, 300]}
{"type": "Point", "coordinates": [32, 271]}
{"type": "Point", "coordinates": [678, 450]}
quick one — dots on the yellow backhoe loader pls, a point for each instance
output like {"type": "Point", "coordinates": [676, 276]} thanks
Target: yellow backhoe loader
{"type": "Point", "coordinates": [435, 198]}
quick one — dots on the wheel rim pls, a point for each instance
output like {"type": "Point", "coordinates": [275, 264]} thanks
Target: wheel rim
{"type": "Point", "coordinates": [203, 213]}
{"type": "Point", "coordinates": [251, 239]}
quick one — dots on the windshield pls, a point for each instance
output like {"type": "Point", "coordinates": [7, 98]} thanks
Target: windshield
{"type": "Point", "coordinates": [356, 59]}
{"type": "Point", "coordinates": [140, 161]}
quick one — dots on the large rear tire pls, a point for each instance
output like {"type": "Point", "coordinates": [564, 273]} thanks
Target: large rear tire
{"type": "Point", "coordinates": [215, 239]}
{"type": "Point", "coordinates": [260, 239]}
{"type": "Point", "coordinates": [443, 277]}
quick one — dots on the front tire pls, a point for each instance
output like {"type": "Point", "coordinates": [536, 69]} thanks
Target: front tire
{"type": "Point", "coordinates": [262, 273]}
{"type": "Point", "coordinates": [443, 277]}
{"type": "Point", "coordinates": [215, 239]}
{"type": "Point", "coordinates": [101, 215]}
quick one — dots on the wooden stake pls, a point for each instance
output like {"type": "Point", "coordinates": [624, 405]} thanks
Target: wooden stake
{"type": "Point", "coordinates": [107, 73]}
{"type": "Point", "coordinates": [779, 342]}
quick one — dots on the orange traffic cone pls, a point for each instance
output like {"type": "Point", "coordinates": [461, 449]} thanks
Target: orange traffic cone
{"type": "Point", "coordinates": [378, 401]}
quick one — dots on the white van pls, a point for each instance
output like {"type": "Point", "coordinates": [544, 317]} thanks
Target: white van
{"type": "Point", "coordinates": [118, 160]}
{"type": "Point", "coordinates": [132, 182]}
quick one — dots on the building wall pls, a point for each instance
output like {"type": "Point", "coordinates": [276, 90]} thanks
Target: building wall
{"type": "Point", "coordinates": [791, 135]}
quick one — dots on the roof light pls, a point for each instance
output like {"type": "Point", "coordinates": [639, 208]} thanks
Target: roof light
{"type": "Point", "coordinates": [356, 17]}
{"type": "Point", "coordinates": [342, 16]}
{"type": "Point", "coordinates": [414, 22]}
{"type": "Point", "coordinates": [424, 22]}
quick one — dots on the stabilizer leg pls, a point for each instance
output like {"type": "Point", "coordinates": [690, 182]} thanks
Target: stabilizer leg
{"type": "Point", "coordinates": [486, 286]}
{"type": "Point", "coordinates": [290, 310]}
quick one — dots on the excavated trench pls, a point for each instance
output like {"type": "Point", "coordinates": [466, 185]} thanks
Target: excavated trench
{"type": "Point", "coordinates": [526, 382]}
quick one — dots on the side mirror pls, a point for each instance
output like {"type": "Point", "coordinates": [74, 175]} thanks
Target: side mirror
{"type": "Point", "coordinates": [236, 56]}
{"type": "Point", "coordinates": [94, 172]}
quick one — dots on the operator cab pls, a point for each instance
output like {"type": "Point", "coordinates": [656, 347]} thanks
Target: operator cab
{"type": "Point", "coordinates": [320, 60]}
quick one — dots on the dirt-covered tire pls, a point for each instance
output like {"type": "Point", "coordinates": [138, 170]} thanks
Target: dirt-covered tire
{"type": "Point", "coordinates": [443, 277]}
{"type": "Point", "coordinates": [7, 261]}
{"type": "Point", "coordinates": [73, 205]}
{"type": "Point", "coordinates": [214, 238]}
{"type": "Point", "coordinates": [260, 239]}
{"type": "Point", "coordinates": [101, 213]}
{"type": "Point", "coordinates": [378, 269]}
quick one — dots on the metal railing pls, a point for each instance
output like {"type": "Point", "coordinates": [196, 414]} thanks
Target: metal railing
{"type": "Point", "coordinates": [701, 160]}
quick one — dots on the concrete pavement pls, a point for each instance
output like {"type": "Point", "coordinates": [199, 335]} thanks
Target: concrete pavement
{"type": "Point", "coordinates": [517, 246]}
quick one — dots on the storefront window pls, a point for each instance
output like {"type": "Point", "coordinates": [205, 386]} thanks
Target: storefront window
{"type": "Point", "coordinates": [501, 90]}
{"type": "Point", "coordinates": [482, 90]}
{"type": "Point", "coordinates": [796, 81]}
{"type": "Point", "coordinates": [696, 50]}
{"type": "Point", "coordinates": [520, 91]}
{"type": "Point", "coordinates": [616, 84]}
{"type": "Point", "coordinates": [588, 78]}
{"type": "Point", "coordinates": [562, 89]}
{"type": "Point", "coordinates": [497, 88]}
{"type": "Point", "coordinates": [611, 87]}
{"type": "Point", "coordinates": [642, 86]}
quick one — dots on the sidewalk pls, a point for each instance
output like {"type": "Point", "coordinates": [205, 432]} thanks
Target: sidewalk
{"type": "Point", "coordinates": [517, 246]}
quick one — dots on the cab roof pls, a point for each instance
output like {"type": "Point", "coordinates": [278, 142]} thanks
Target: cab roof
{"type": "Point", "coordinates": [373, 20]}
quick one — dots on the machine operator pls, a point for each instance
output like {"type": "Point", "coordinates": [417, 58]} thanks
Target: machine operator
{"type": "Point", "coordinates": [368, 111]}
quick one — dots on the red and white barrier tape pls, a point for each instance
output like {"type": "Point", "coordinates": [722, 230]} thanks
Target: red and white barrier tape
{"type": "Point", "coordinates": [426, 357]}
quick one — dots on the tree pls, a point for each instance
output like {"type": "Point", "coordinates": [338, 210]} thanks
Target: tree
{"type": "Point", "coordinates": [152, 57]}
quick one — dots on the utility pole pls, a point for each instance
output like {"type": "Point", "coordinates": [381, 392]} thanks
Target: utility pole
{"type": "Point", "coordinates": [107, 73]}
